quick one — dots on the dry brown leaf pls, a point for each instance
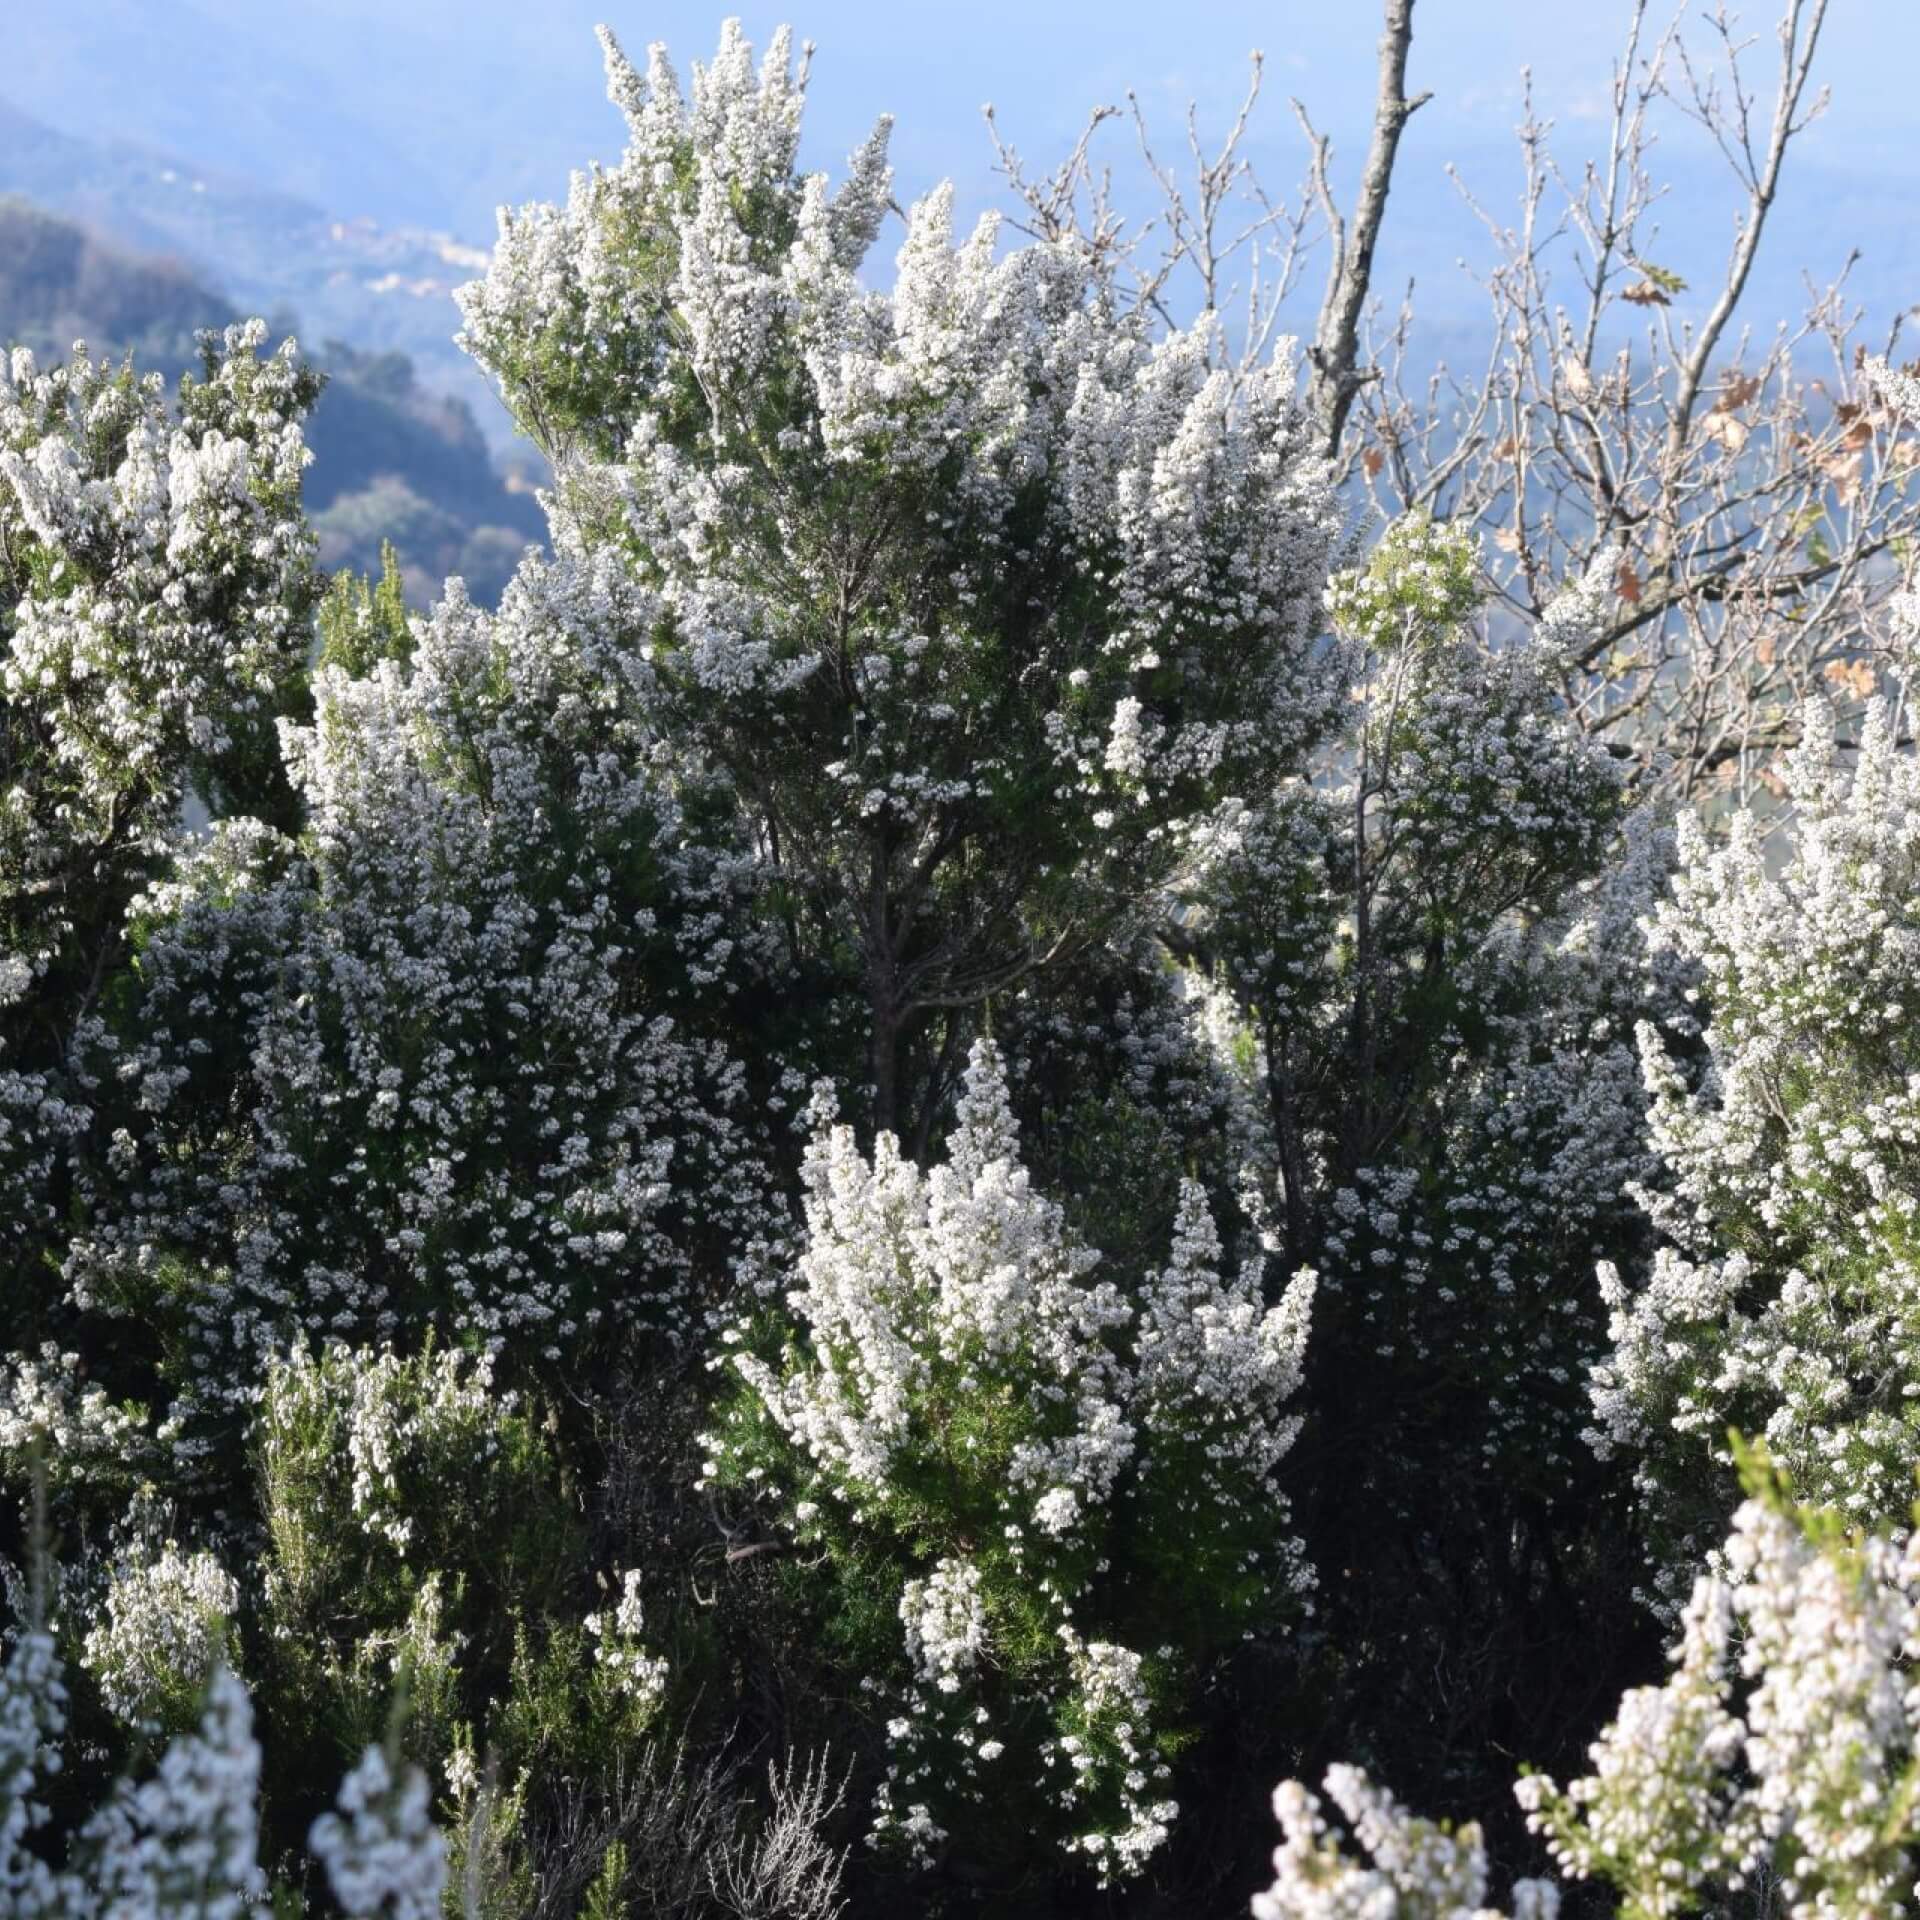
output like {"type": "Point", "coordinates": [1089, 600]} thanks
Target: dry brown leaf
{"type": "Point", "coordinates": [1627, 584]}
{"type": "Point", "coordinates": [1766, 649]}
{"type": "Point", "coordinates": [1372, 461]}
{"type": "Point", "coordinates": [1644, 293]}
{"type": "Point", "coordinates": [1508, 449]}
{"type": "Point", "coordinates": [1843, 469]}
{"type": "Point", "coordinates": [1736, 390]}
{"type": "Point", "coordinates": [1856, 675]}
{"type": "Point", "coordinates": [1731, 433]}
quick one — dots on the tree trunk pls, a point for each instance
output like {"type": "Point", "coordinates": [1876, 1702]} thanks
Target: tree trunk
{"type": "Point", "coordinates": [884, 1066]}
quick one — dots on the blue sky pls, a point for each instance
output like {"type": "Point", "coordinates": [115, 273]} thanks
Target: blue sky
{"type": "Point", "coordinates": [432, 111]}
{"type": "Point", "coordinates": [492, 98]}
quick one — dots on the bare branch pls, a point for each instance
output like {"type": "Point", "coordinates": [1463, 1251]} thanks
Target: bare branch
{"type": "Point", "coordinates": [1799, 34]}
{"type": "Point", "coordinates": [1334, 354]}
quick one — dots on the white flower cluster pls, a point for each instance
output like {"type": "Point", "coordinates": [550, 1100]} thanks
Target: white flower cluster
{"type": "Point", "coordinates": [33, 1706]}
{"type": "Point", "coordinates": [946, 1625]}
{"type": "Point", "coordinates": [1785, 1110]}
{"type": "Point", "coordinates": [1413, 1868]}
{"type": "Point", "coordinates": [187, 1840]}
{"type": "Point", "coordinates": [1215, 1365]}
{"type": "Point", "coordinates": [640, 1676]}
{"type": "Point", "coordinates": [154, 579]}
{"type": "Point", "coordinates": [963, 1271]}
{"type": "Point", "coordinates": [940, 1725]}
{"type": "Point", "coordinates": [458, 1100]}
{"type": "Point", "coordinates": [397, 1417]}
{"type": "Point", "coordinates": [1895, 387]}
{"type": "Point", "coordinates": [73, 1430]}
{"type": "Point", "coordinates": [952, 1368]}
{"type": "Point", "coordinates": [926, 557]}
{"type": "Point", "coordinates": [1775, 1762]}
{"type": "Point", "coordinates": [1108, 1753]}
{"type": "Point", "coordinates": [384, 1858]}
{"type": "Point", "coordinates": [1781, 1750]}
{"type": "Point", "coordinates": [162, 1631]}
{"type": "Point", "coordinates": [155, 587]}
{"type": "Point", "coordinates": [1419, 586]}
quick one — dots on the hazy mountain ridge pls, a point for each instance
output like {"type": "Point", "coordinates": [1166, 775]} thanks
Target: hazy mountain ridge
{"type": "Point", "coordinates": [59, 283]}
{"type": "Point", "coordinates": [381, 288]}
{"type": "Point", "coordinates": [359, 190]}
{"type": "Point", "coordinates": [392, 457]}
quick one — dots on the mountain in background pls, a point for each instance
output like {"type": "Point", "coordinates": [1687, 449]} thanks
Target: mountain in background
{"type": "Point", "coordinates": [409, 125]}
{"type": "Point", "coordinates": [384, 289]}
{"type": "Point", "coordinates": [426, 115]}
{"type": "Point", "coordinates": [59, 284]}
{"type": "Point", "coordinates": [339, 163]}
{"type": "Point", "coordinates": [343, 158]}
{"type": "Point", "coordinates": [393, 459]}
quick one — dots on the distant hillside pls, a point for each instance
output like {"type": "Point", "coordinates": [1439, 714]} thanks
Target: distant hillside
{"type": "Point", "coordinates": [396, 461]}
{"type": "Point", "coordinates": [59, 284]}
{"type": "Point", "coordinates": [425, 115]}
{"type": "Point", "coordinates": [382, 288]}
{"type": "Point", "coordinates": [392, 459]}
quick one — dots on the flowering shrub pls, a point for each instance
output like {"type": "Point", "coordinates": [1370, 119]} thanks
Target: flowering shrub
{"type": "Point", "coordinates": [33, 1708]}
{"type": "Point", "coordinates": [71, 1431]}
{"type": "Point", "coordinates": [383, 1856]}
{"type": "Point", "coordinates": [1028, 1456]}
{"type": "Point", "coordinates": [417, 1071]}
{"type": "Point", "coordinates": [156, 587]}
{"type": "Point", "coordinates": [618, 1651]}
{"type": "Point", "coordinates": [1781, 1752]}
{"type": "Point", "coordinates": [982, 597]}
{"type": "Point", "coordinates": [155, 581]}
{"type": "Point", "coordinates": [366, 1442]}
{"type": "Point", "coordinates": [1415, 938]}
{"type": "Point", "coordinates": [1776, 1762]}
{"type": "Point", "coordinates": [164, 1633]}
{"type": "Point", "coordinates": [1431, 956]}
{"type": "Point", "coordinates": [409, 1195]}
{"type": "Point", "coordinates": [186, 1840]}
{"type": "Point", "coordinates": [1781, 1299]}
{"type": "Point", "coordinates": [1414, 1870]}
{"type": "Point", "coordinates": [417, 1538]}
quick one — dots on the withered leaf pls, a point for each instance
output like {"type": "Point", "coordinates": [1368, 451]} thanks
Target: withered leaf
{"type": "Point", "coordinates": [1855, 675]}
{"type": "Point", "coordinates": [1731, 433]}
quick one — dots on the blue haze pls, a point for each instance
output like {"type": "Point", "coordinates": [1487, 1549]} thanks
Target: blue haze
{"type": "Point", "coordinates": [429, 112]}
